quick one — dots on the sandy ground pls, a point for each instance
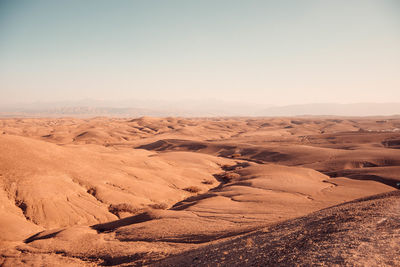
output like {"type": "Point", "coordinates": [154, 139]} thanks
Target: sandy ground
{"type": "Point", "coordinates": [178, 191]}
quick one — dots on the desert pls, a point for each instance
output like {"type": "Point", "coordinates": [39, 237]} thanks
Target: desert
{"type": "Point", "coordinates": [175, 191]}
{"type": "Point", "coordinates": [199, 133]}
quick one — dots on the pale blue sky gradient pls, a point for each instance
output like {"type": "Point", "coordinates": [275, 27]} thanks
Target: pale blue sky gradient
{"type": "Point", "coordinates": [274, 52]}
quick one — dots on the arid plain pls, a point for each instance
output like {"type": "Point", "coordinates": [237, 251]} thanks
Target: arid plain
{"type": "Point", "coordinates": [200, 191]}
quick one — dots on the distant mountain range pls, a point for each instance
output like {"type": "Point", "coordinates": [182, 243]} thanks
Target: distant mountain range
{"type": "Point", "coordinates": [129, 108]}
{"type": "Point", "coordinates": [357, 109]}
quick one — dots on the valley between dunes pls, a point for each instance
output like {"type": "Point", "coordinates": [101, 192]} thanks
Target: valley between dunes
{"type": "Point", "coordinates": [200, 191]}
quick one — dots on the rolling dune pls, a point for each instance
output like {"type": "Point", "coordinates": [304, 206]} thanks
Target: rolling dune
{"type": "Point", "coordinates": [180, 191]}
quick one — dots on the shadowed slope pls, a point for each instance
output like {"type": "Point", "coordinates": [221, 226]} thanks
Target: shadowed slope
{"type": "Point", "coordinates": [365, 232]}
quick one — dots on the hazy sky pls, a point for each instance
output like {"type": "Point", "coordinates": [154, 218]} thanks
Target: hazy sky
{"type": "Point", "coordinates": [273, 52]}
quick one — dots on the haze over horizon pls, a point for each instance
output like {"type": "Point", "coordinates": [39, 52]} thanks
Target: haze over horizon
{"type": "Point", "coordinates": [263, 52]}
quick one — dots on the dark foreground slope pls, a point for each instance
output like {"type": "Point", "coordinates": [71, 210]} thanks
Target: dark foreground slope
{"type": "Point", "coordinates": [365, 232]}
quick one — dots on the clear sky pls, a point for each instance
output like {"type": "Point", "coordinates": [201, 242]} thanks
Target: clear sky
{"type": "Point", "coordinates": [274, 52]}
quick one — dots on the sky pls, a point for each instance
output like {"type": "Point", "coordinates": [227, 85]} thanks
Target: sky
{"type": "Point", "coordinates": [279, 52]}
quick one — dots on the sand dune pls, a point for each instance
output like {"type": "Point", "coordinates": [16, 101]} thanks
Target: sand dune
{"type": "Point", "coordinates": [116, 191]}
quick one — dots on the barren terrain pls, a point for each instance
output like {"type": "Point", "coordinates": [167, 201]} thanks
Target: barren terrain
{"type": "Point", "coordinates": [200, 191]}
